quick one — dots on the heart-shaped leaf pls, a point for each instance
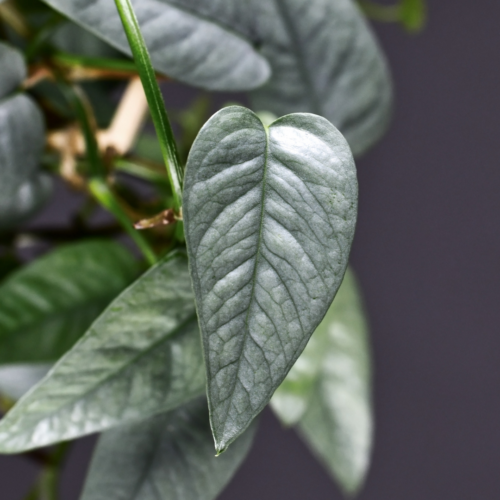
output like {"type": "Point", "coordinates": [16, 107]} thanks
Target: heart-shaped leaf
{"type": "Point", "coordinates": [167, 457]}
{"type": "Point", "coordinates": [141, 357]}
{"type": "Point", "coordinates": [329, 390]}
{"type": "Point", "coordinates": [325, 60]}
{"type": "Point", "coordinates": [188, 41]}
{"type": "Point", "coordinates": [269, 217]}
{"type": "Point", "coordinates": [46, 306]}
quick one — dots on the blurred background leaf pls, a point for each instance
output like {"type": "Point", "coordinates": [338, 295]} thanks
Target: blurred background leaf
{"type": "Point", "coordinates": [328, 391]}
{"type": "Point", "coordinates": [48, 304]}
{"type": "Point", "coordinates": [167, 457]}
{"type": "Point", "coordinates": [143, 356]}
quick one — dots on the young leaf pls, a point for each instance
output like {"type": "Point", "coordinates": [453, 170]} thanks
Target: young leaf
{"type": "Point", "coordinates": [270, 218]}
{"type": "Point", "coordinates": [16, 380]}
{"type": "Point", "coordinates": [167, 457]}
{"type": "Point", "coordinates": [325, 60]}
{"type": "Point", "coordinates": [47, 305]}
{"type": "Point", "coordinates": [140, 358]}
{"type": "Point", "coordinates": [328, 390]}
{"type": "Point", "coordinates": [187, 42]}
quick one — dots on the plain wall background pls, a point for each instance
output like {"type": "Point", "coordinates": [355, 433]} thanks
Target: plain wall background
{"type": "Point", "coordinates": [427, 253]}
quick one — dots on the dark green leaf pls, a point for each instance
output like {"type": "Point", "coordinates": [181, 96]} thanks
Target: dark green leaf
{"type": "Point", "coordinates": [140, 358]}
{"type": "Point", "coordinates": [194, 42]}
{"type": "Point", "coordinates": [47, 305]}
{"type": "Point", "coordinates": [167, 457]}
{"type": "Point", "coordinates": [325, 60]}
{"type": "Point", "coordinates": [8, 264]}
{"type": "Point", "coordinates": [328, 390]}
{"type": "Point", "coordinates": [269, 218]}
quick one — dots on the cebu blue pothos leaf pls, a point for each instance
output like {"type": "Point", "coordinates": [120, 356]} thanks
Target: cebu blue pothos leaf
{"type": "Point", "coordinates": [269, 217]}
{"type": "Point", "coordinates": [186, 41]}
{"type": "Point", "coordinates": [46, 306]}
{"type": "Point", "coordinates": [141, 357]}
{"type": "Point", "coordinates": [325, 60]}
{"type": "Point", "coordinates": [21, 143]}
{"type": "Point", "coordinates": [328, 390]}
{"type": "Point", "coordinates": [70, 37]}
{"type": "Point", "coordinates": [22, 138]}
{"type": "Point", "coordinates": [167, 457]}
{"type": "Point", "coordinates": [13, 69]}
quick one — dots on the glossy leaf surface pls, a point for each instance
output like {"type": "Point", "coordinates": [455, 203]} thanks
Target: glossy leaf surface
{"type": "Point", "coordinates": [167, 457]}
{"type": "Point", "coordinates": [325, 60]}
{"type": "Point", "coordinates": [189, 41]}
{"type": "Point", "coordinates": [269, 218]}
{"type": "Point", "coordinates": [46, 306]}
{"type": "Point", "coordinates": [328, 390]}
{"type": "Point", "coordinates": [140, 358]}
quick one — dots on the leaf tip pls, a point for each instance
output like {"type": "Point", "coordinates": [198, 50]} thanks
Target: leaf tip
{"type": "Point", "coordinates": [220, 449]}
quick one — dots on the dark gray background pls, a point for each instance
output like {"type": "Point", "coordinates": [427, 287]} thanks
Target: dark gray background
{"type": "Point", "coordinates": [427, 252]}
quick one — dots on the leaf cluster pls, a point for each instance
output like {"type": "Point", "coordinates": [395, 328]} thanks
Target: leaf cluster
{"type": "Point", "coordinates": [222, 282]}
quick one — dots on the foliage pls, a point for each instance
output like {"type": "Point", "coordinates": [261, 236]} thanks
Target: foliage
{"type": "Point", "coordinates": [173, 325]}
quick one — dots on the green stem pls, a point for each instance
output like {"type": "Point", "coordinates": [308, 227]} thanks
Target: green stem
{"type": "Point", "coordinates": [381, 13]}
{"type": "Point", "coordinates": [154, 97]}
{"type": "Point", "coordinates": [42, 37]}
{"type": "Point", "coordinates": [81, 108]}
{"type": "Point", "coordinates": [32, 493]}
{"type": "Point", "coordinates": [72, 60]}
{"type": "Point", "coordinates": [47, 484]}
{"type": "Point", "coordinates": [107, 199]}
{"type": "Point", "coordinates": [97, 184]}
{"type": "Point", "coordinates": [138, 170]}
